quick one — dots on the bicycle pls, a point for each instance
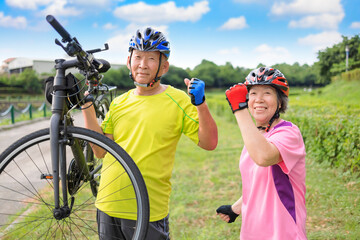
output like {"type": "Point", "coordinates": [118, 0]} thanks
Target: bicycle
{"type": "Point", "coordinates": [56, 199]}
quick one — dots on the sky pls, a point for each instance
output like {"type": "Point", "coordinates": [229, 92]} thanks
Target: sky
{"type": "Point", "coordinates": [242, 32]}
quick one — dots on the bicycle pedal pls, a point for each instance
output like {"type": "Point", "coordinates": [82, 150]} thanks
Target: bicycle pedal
{"type": "Point", "coordinates": [46, 176]}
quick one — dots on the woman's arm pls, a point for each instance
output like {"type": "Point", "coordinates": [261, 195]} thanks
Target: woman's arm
{"type": "Point", "coordinates": [261, 151]}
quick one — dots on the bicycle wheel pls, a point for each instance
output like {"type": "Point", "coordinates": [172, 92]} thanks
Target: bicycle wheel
{"type": "Point", "coordinates": [27, 196]}
{"type": "Point", "coordinates": [102, 107]}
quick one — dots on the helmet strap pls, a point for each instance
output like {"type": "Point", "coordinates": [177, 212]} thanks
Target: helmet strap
{"type": "Point", "coordinates": [151, 84]}
{"type": "Point", "coordinates": [273, 118]}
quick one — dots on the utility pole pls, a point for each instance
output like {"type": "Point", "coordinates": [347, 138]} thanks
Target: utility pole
{"type": "Point", "coordinates": [347, 57]}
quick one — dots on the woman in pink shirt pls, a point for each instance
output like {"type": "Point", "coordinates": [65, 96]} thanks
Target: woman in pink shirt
{"type": "Point", "coordinates": [272, 162]}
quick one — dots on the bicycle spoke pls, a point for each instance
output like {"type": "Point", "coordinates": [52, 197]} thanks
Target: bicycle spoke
{"type": "Point", "coordinates": [20, 193]}
{"type": "Point", "coordinates": [43, 158]}
{"type": "Point", "coordinates": [28, 180]}
{"type": "Point", "coordinates": [23, 225]}
{"type": "Point", "coordinates": [33, 214]}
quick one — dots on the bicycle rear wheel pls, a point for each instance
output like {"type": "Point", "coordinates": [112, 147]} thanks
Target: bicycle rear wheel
{"type": "Point", "coordinates": [27, 196]}
{"type": "Point", "coordinates": [102, 107]}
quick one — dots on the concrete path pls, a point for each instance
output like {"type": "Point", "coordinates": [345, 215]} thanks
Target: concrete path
{"type": "Point", "coordinates": [11, 133]}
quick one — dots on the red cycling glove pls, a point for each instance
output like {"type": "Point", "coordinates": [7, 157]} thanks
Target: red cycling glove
{"type": "Point", "coordinates": [237, 97]}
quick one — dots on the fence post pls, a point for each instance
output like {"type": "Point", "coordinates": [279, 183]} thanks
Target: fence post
{"type": "Point", "coordinates": [12, 112]}
{"type": "Point", "coordinates": [30, 111]}
{"type": "Point", "coordinates": [43, 108]}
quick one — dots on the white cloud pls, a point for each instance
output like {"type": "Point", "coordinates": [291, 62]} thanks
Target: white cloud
{"type": "Point", "coordinates": [305, 7]}
{"type": "Point", "coordinates": [249, 1]}
{"type": "Point", "coordinates": [27, 4]}
{"type": "Point", "coordinates": [35, 4]}
{"type": "Point", "coordinates": [11, 22]}
{"type": "Point", "coordinates": [97, 3]}
{"type": "Point", "coordinates": [322, 40]}
{"type": "Point", "coordinates": [164, 13]}
{"type": "Point", "coordinates": [321, 14]}
{"type": "Point", "coordinates": [269, 55]}
{"type": "Point", "coordinates": [235, 23]}
{"type": "Point", "coordinates": [355, 25]}
{"type": "Point", "coordinates": [109, 26]}
{"type": "Point", "coordinates": [60, 8]}
{"type": "Point", "coordinates": [321, 21]}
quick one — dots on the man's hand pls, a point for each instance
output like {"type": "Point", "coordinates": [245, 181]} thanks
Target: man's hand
{"type": "Point", "coordinates": [226, 213]}
{"type": "Point", "coordinates": [196, 89]}
{"type": "Point", "coordinates": [237, 97]}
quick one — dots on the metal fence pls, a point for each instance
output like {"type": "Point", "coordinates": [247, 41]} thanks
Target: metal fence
{"type": "Point", "coordinates": [12, 112]}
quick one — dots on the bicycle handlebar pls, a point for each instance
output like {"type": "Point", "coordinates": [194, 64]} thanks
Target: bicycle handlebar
{"type": "Point", "coordinates": [60, 29]}
{"type": "Point", "coordinates": [90, 65]}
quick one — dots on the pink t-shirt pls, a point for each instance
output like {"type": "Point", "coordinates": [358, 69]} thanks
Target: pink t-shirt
{"type": "Point", "coordinates": [274, 197]}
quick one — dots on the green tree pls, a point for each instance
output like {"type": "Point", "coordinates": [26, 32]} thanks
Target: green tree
{"type": "Point", "coordinates": [332, 61]}
{"type": "Point", "coordinates": [30, 81]}
{"type": "Point", "coordinates": [175, 76]}
{"type": "Point", "coordinates": [228, 75]}
{"type": "Point", "coordinates": [118, 77]}
{"type": "Point", "coordinates": [206, 71]}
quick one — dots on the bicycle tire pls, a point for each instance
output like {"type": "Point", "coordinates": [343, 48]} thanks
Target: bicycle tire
{"type": "Point", "coordinates": [26, 200]}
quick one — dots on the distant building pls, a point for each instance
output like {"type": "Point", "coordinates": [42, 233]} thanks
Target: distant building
{"type": "Point", "coordinates": [4, 68]}
{"type": "Point", "coordinates": [18, 65]}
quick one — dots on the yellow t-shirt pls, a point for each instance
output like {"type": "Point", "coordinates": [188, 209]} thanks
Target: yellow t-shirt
{"type": "Point", "coordinates": [148, 128]}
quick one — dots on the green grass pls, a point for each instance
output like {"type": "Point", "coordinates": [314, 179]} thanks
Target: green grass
{"type": "Point", "coordinates": [202, 181]}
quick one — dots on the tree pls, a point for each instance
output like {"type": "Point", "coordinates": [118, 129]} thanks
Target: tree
{"type": "Point", "coordinates": [118, 77]}
{"type": "Point", "coordinates": [229, 75]}
{"type": "Point", "coordinates": [175, 76]}
{"type": "Point", "coordinates": [29, 81]}
{"type": "Point", "coordinates": [332, 61]}
{"type": "Point", "coordinates": [206, 71]}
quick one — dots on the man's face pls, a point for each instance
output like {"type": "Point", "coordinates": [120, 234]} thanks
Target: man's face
{"type": "Point", "coordinates": [144, 65]}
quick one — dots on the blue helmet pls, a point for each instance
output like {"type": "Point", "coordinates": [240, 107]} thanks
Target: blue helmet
{"type": "Point", "coordinates": [150, 40]}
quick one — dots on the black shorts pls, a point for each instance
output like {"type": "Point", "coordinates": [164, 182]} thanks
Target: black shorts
{"type": "Point", "coordinates": [118, 228]}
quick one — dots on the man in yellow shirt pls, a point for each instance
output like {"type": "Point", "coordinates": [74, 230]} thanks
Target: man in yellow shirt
{"type": "Point", "coordinates": [147, 122]}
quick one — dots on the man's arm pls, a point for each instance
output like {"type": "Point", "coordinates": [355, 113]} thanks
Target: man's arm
{"type": "Point", "coordinates": [208, 134]}
{"type": "Point", "coordinates": [91, 123]}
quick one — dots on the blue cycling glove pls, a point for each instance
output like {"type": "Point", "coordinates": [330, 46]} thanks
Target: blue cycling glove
{"type": "Point", "coordinates": [197, 92]}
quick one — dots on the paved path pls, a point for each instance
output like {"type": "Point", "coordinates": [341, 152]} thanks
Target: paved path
{"type": "Point", "coordinates": [9, 134]}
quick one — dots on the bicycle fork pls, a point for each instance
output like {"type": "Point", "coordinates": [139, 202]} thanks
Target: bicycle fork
{"type": "Point", "coordinates": [58, 162]}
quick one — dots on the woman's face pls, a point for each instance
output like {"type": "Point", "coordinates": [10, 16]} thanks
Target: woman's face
{"type": "Point", "coordinates": [262, 103]}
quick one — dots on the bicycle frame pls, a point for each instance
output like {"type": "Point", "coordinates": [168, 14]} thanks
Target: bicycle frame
{"type": "Point", "coordinates": [58, 141]}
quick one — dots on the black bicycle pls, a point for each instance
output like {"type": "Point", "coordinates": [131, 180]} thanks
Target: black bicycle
{"type": "Point", "coordinates": [49, 179]}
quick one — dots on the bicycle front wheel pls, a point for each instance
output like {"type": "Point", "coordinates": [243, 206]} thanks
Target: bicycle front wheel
{"type": "Point", "coordinates": [27, 192]}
